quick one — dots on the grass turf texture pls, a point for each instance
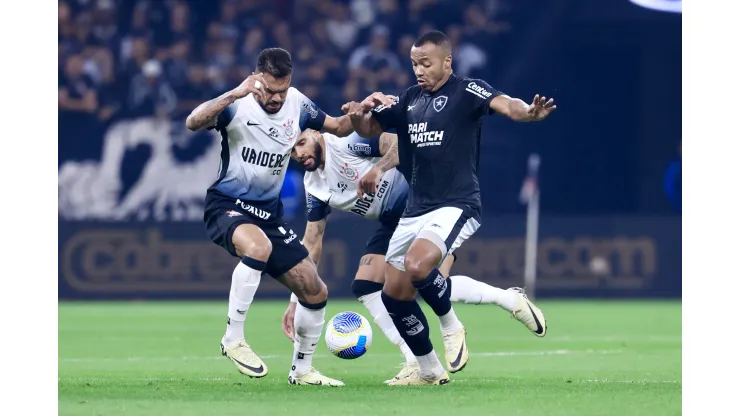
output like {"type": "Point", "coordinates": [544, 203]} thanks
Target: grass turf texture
{"type": "Point", "coordinates": [598, 358]}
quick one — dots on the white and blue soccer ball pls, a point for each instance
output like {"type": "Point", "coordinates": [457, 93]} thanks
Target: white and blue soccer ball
{"type": "Point", "coordinates": [348, 335]}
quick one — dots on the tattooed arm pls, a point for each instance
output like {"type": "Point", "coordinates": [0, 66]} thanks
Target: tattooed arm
{"type": "Point", "coordinates": [388, 148]}
{"type": "Point", "coordinates": [313, 239]}
{"type": "Point", "coordinates": [206, 114]}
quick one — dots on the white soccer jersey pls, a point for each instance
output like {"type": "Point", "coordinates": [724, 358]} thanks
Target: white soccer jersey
{"type": "Point", "coordinates": [347, 160]}
{"type": "Point", "coordinates": [256, 146]}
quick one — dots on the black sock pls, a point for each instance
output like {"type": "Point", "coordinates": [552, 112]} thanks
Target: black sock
{"type": "Point", "coordinates": [436, 292]}
{"type": "Point", "coordinates": [361, 288]}
{"type": "Point", "coordinates": [410, 322]}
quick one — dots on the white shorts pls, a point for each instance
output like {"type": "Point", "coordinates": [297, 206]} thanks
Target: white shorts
{"type": "Point", "coordinates": [447, 227]}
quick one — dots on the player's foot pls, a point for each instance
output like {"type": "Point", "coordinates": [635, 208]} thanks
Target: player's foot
{"type": "Point", "coordinates": [415, 379]}
{"type": "Point", "coordinates": [406, 370]}
{"type": "Point", "coordinates": [313, 378]}
{"type": "Point", "coordinates": [456, 350]}
{"type": "Point", "coordinates": [530, 315]}
{"type": "Point", "coordinates": [245, 360]}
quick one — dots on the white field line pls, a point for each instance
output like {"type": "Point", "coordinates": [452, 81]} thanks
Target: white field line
{"type": "Point", "coordinates": [219, 357]}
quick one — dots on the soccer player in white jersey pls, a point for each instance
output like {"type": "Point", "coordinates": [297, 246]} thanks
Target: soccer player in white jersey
{"type": "Point", "coordinates": [334, 167]}
{"type": "Point", "coordinates": [259, 121]}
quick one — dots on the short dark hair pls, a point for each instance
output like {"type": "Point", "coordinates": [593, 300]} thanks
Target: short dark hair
{"type": "Point", "coordinates": [275, 61]}
{"type": "Point", "coordinates": [434, 37]}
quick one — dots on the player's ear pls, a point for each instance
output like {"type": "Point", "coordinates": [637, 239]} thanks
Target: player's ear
{"type": "Point", "coordinates": [448, 62]}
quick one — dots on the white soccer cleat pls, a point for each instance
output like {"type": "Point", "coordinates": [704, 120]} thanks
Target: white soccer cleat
{"type": "Point", "coordinates": [456, 350]}
{"type": "Point", "coordinates": [313, 378]}
{"type": "Point", "coordinates": [406, 370]}
{"type": "Point", "coordinates": [530, 315]}
{"type": "Point", "coordinates": [415, 379]}
{"type": "Point", "coordinates": [245, 360]}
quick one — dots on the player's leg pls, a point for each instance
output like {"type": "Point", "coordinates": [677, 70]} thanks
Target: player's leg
{"type": "Point", "coordinates": [399, 298]}
{"type": "Point", "coordinates": [290, 265]}
{"type": "Point", "coordinates": [367, 287]}
{"type": "Point", "coordinates": [445, 229]}
{"type": "Point", "coordinates": [254, 248]}
{"type": "Point", "coordinates": [236, 232]}
{"type": "Point", "coordinates": [514, 300]}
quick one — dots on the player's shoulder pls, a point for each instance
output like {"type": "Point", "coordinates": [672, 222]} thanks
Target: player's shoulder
{"type": "Point", "coordinates": [410, 93]}
{"type": "Point", "coordinates": [331, 141]}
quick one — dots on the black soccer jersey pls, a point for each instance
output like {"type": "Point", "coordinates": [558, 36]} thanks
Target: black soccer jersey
{"type": "Point", "coordinates": [439, 142]}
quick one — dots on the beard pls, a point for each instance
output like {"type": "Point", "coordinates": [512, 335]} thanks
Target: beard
{"type": "Point", "coordinates": [269, 111]}
{"type": "Point", "coordinates": [316, 159]}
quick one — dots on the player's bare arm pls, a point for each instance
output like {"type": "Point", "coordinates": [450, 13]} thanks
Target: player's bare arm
{"type": "Point", "coordinates": [360, 116]}
{"type": "Point", "coordinates": [206, 114]}
{"type": "Point", "coordinates": [518, 110]}
{"type": "Point", "coordinates": [313, 239]}
{"type": "Point", "coordinates": [389, 150]}
{"type": "Point", "coordinates": [338, 126]}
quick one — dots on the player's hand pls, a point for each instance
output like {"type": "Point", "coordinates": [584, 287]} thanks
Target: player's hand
{"type": "Point", "coordinates": [376, 99]}
{"type": "Point", "coordinates": [254, 84]}
{"type": "Point", "coordinates": [352, 108]}
{"type": "Point", "coordinates": [288, 318]}
{"type": "Point", "coordinates": [540, 108]}
{"type": "Point", "coordinates": [368, 184]}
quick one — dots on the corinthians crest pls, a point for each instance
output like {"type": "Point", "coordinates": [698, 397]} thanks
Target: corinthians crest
{"type": "Point", "coordinates": [289, 130]}
{"type": "Point", "coordinates": [349, 172]}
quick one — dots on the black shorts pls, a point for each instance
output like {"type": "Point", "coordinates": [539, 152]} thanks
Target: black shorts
{"type": "Point", "coordinates": [378, 243]}
{"type": "Point", "coordinates": [222, 215]}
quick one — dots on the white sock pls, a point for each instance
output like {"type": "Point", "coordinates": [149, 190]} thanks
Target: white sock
{"type": "Point", "coordinates": [308, 324]}
{"type": "Point", "coordinates": [244, 283]}
{"type": "Point", "coordinates": [465, 289]}
{"type": "Point", "coordinates": [429, 366]}
{"type": "Point", "coordinates": [449, 322]}
{"type": "Point", "coordinates": [375, 306]}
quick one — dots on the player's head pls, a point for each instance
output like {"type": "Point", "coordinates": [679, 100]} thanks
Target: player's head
{"type": "Point", "coordinates": [308, 150]}
{"type": "Point", "coordinates": [276, 66]}
{"type": "Point", "coordinates": [431, 58]}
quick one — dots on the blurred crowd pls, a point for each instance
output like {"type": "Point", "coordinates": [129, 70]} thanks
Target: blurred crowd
{"type": "Point", "coordinates": [134, 58]}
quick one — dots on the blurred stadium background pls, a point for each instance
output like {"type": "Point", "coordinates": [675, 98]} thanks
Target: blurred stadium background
{"type": "Point", "coordinates": [132, 178]}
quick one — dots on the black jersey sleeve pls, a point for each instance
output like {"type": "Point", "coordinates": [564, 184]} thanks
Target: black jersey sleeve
{"type": "Point", "coordinates": [390, 117]}
{"type": "Point", "coordinates": [479, 95]}
{"type": "Point", "coordinates": [316, 209]}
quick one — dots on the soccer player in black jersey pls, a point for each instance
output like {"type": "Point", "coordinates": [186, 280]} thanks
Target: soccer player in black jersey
{"type": "Point", "coordinates": [438, 122]}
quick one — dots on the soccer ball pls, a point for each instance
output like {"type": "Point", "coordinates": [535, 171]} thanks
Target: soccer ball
{"type": "Point", "coordinates": [348, 335]}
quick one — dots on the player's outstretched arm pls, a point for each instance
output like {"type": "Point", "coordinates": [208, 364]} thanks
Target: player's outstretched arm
{"type": "Point", "coordinates": [359, 113]}
{"type": "Point", "coordinates": [313, 239]}
{"type": "Point", "coordinates": [206, 114]}
{"type": "Point", "coordinates": [339, 126]}
{"type": "Point", "coordinates": [362, 121]}
{"type": "Point", "coordinates": [518, 110]}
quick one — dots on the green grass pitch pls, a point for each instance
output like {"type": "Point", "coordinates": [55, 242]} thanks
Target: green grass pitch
{"type": "Point", "coordinates": [163, 358]}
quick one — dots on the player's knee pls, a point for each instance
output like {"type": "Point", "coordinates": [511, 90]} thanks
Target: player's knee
{"type": "Point", "coordinates": [319, 295]}
{"type": "Point", "coordinates": [259, 250]}
{"type": "Point", "coordinates": [417, 266]}
{"type": "Point", "coordinates": [362, 288]}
